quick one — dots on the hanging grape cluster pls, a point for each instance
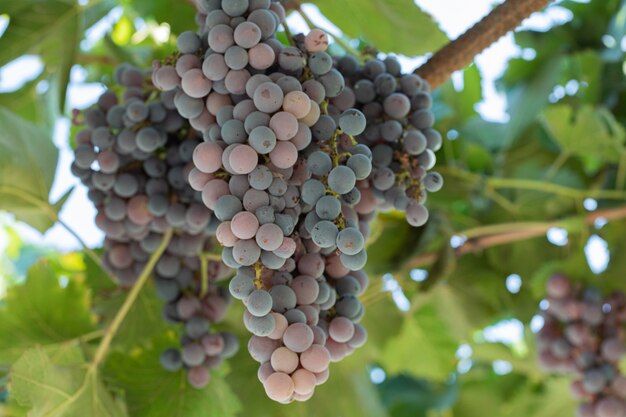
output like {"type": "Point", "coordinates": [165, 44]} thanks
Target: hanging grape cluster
{"type": "Point", "coordinates": [280, 174]}
{"type": "Point", "coordinates": [287, 154]}
{"type": "Point", "coordinates": [399, 133]}
{"type": "Point", "coordinates": [134, 156]}
{"type": "Point", "coordinates": [583, 335]}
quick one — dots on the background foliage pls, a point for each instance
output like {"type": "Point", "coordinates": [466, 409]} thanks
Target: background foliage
{"type": "Point", "coordinates": [505, 183]}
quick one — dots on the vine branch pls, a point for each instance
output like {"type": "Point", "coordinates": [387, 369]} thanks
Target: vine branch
{"type": "Point", "coordinates": [461, 52]}
{"type": "Point", "coordinates": [500, 234]}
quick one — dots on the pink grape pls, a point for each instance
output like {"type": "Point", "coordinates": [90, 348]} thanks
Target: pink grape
{"type": "Point", "coordinates": [243, 159]}
{"type": "Point", "coordinates": [306, 289]}
{"type": "Point", "coordinates": [313, 116]}
{"type": "Point", "coordinates": [265, 370]}
{"type": "Point", "coordinates": [137, 210]}
{"type": "Point", "coordinates": [304, 381]}
{"type": "Point", "coordinates": [284, 155]}
{"type": "Point", "coordinates": [198, 377]}
{"type": "Point", "coordinates": [225, 236]}
{"type": "Point", "coordinates": [284, 360]}
{"type": "Point", "coordinates": [247, 35]}
{"type": "Point", "coordinates": [236, 80]}
{"type": "Point", "coordinates": [297, 103]}
{"type": "Point", "coordinates": [195, 85]}
{"type": "Point", "coordinates": [279, 387]}
{"type": "Point", "coordinates": [284, 124]}
{"type": "Point", "coordinates": [120, 256]}
{"type": "Point", "coordinates": [316, 41]}
{"type": "Point", "coordinates": [246, 252]}
{"type": "Point", "coordinates": [281, 326]}
{"type": "Point", "coordinates": [213, 344]}
{"type": "Point", "coordinates": [212, 191]}
{"type": "Point", "coordinates": [298, 337]}
{"type": "Point", "coordinates": [244, 225]}
{"type": "Point", "coordinates": [311, 264]}
{"type": "Point", "coordinates": [261, 348]}
{"type": "Point", "coordinates": [214, 67]}
{"type": "Point", "coordinates": [207, 157]}
{"type": "Point", "coordinates": [216, 101]}
{"type": "Point", "coordinates": [315, 359]}
{"type": "Point", "coordinates": [221, 37]}
{"type": "Point", "coordinates": [341, 329]}
{"type": "Point", "coordinates": [397, 105]}
{"type": "Point", "coordinates": [322, 377]}
{"type": "Point", "coordinates": [261, 56]}
{"type": "Point", "coordinates": [269, 237]}
{"type": "Point", "coordinates": [286, 248]}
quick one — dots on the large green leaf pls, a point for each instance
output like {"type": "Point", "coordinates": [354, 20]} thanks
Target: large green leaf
{"type": "Point", "coordinates": [424, 347]}
{"type": "Point", "coordinates": [405, 396]}
{"type": "Point", "coordinates": [161, 11]}
{"type": "Point", "coordinates": [28, 161]}
{"type": "Point", "coordinates": [587, 133]}
{"type": "Point", "coordinates": [42, 312]}
{"type": "Point", "coordinates": [61, 385]}
{"type": "Point", "coordinates": [152, 391]}
{"type": "Point", "coordinates": [144, 320]}
{"type": "Point", "coordinates": [390, 25]}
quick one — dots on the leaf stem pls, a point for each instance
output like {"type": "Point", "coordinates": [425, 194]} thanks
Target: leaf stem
{"type": "Point", "coordinates": [532, 185]}
{"type": "Point", "coordinates": [111, 331]}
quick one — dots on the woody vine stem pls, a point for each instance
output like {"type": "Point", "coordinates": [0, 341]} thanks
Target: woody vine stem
{"type": "Point", "coordinates": [461, 52]}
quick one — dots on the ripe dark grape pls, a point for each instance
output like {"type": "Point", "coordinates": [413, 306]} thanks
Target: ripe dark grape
{"type": "Point", "coordinates": [569, 342]}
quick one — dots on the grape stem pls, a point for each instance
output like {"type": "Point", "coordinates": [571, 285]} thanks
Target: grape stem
{"type": "Point", "coordinates": [113, 328]}
{"type": "Point", "coordinates": [459, 53]}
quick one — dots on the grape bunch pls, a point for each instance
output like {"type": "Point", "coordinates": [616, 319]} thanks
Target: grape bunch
{"type": "Point", "coordinates": [280, 173]}
{"type": "Point", "coordinates": [134, 156]}
{"type": "Point", "coordinates": [399, 133]}
{"type": "Point", "coordinates": [583, 335]}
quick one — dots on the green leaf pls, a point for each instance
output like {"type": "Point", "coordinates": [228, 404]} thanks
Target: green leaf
{"type": "Point", "coordinates": [397, 243]}
{"type": "Point", "coordinates": [180, 20]}
{"type": "Point", "coordinates": [42, 312]}
{"type": "Point", "coordinates": [28, 161]}
{"type": "Point", "coordinates": [390, 25]}
{"type": "Point", "coordinates": [51, 29]}
{"type": "Point", "coordinates": [61, 386]}
{"type": "Point", "coordinates": [489, 352]}
{"type": "Point", "coordinates": [527, 99]}
{"type": "Point", "coordinates": [29, 104]}
{"type": "Point", "coordinates": [152, 391]}
{"type": "Point", "coordinates": [405, 396]}
{"type": "Point", "coordinates": [424, 347]}
{"type": "Point", "coordinates": [593, 135]}
{"type": "Point", "coordinates": [144, 320]}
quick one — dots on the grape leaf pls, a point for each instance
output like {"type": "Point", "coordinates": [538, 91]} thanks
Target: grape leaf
{"type": "Point", "coordinates": [161, 11]}
{"type": "Point", "coordinates": [593, 135]}
{"type": "Point", "coordinates": [390, 25]}
{"type": "Point", "coordinates": [144, 320]}
{"type": "Point", "coordinates": [42, 312]}
{"type": "Point", "coordinates": [424, 347]}
{"type": "Point", "coordinates": [61, 386]}
{"type": "Point", "coordinates": [152, 391]}
{"type": "Point", "coordinates": [28, 161]}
